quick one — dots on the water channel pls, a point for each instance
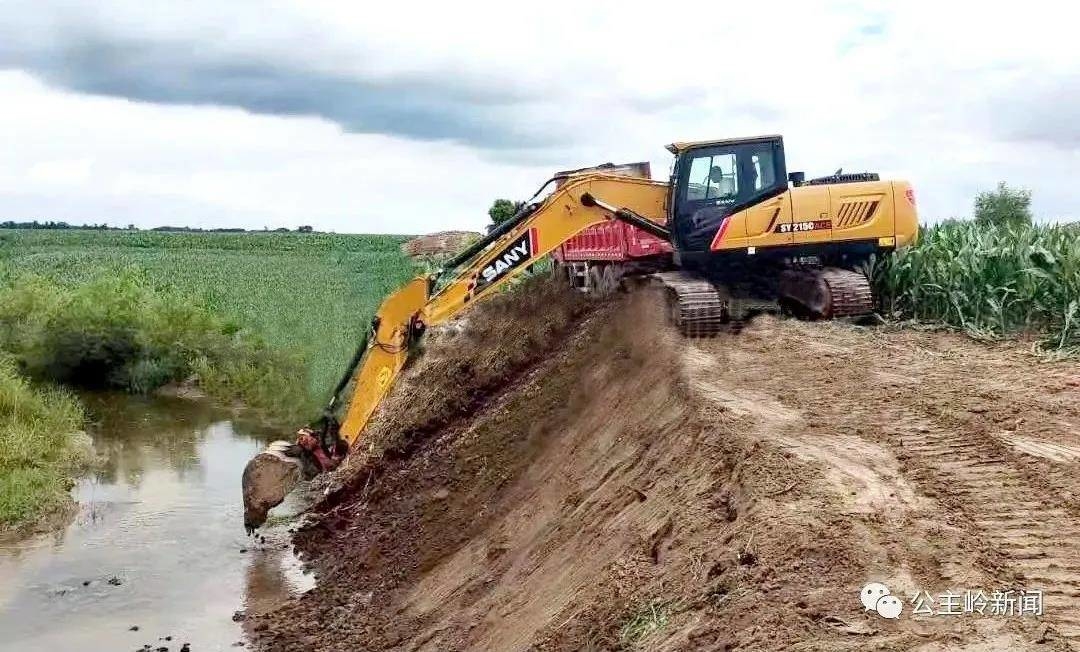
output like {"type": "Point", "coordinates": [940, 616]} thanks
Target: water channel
{"type": "Point", "coordinates": [157, 542]}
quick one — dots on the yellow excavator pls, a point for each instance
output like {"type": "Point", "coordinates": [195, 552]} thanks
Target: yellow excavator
{"type": "Point", "coordinates": [748, 237]}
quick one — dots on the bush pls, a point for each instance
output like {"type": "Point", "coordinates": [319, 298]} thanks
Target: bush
{"type": "Point", "coordinates": [502, 210]}
{"type": "Point", "coordinates": [122, 333]}
{"type": "Point", "coordinates": [1003, 207]}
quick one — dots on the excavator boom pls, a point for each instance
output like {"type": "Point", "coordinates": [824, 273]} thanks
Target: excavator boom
{"type": "Point", "coordinates": [429, 301]}
{"type": "Point", "coordinates": [407, 312]}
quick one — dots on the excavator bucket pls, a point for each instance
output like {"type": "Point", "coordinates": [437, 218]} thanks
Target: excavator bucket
{"type": "Point", "coordinates": [268, 478]}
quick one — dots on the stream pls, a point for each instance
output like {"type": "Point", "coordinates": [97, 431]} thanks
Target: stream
{"type": "Point", "coordinates": [157, 542]}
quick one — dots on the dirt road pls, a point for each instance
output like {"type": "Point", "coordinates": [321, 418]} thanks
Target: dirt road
{"type": "Point", "coordinates": [591, 481]}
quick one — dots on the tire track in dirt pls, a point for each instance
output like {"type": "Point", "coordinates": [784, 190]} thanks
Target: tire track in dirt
{"type": "Point", "coordinates": [1040, 544]}
{"type": "Point", "coordinates": [951, 411]}
{"type": "Point", "coordinates": [845, 478]}
{"type": "Point", "coordinates": [1047, 450]}
{"type": "Point", "coordinates": [960, 433]}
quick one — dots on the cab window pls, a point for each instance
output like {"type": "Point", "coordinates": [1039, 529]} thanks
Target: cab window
{"type": "Point", "coordinates": [763, 169]}
{"type": "Point", "coordinates": [712, 177]}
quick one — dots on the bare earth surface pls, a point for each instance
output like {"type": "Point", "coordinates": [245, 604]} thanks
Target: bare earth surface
{"type": "Point", "coordinates": [442, 243]}
{"type": "Point", "coordinates": [589, 481]}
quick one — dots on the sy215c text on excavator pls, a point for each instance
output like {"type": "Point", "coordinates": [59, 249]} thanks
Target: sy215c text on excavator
{"type": "Point", "coordinates": [747, 238]}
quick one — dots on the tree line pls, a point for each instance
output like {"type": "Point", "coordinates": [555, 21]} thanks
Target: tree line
{"type": "Point", "coordinates": [131, 227]}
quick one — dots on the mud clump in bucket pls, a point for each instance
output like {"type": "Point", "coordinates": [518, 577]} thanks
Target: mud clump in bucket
{"type": "Point", "coordinates": [267, 479]}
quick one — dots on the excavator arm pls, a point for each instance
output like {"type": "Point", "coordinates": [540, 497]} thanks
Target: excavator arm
{"type": "Point", "coordinates": [430, 300]}
{"type": "Point", "coordinates": [533, 233]}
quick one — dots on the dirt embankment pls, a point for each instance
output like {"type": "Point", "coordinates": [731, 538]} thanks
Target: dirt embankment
{"type": "Point", "coordinates": [560, 476]}
{"type": "Point", "coordinates": [443, 243]}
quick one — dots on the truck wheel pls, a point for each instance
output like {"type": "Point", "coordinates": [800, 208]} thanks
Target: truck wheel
{"type": "Point", "coordinates": [594, 282]}
{"type": "Point", "coordinates": [557, 270]}
{"type": "Point", "coordinates": [603, 281]}
{"type": "Point", "coordinates": [610, 280]}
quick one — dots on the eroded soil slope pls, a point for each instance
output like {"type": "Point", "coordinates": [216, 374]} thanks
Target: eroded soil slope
{"type": "Point", "coordinates": [560, 476]}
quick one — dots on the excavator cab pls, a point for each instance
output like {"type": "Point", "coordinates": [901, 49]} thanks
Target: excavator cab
{"type": "Point", "coordinates": [714, 179]}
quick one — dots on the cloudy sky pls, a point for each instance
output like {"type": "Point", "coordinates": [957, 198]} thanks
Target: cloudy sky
{"type": "Point", "coordinates": [413, 116]}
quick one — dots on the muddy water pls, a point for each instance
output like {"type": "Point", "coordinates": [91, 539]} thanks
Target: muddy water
{"type": "Point", "coordinates": [158, 540]}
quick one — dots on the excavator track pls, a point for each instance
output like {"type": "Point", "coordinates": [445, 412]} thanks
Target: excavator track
{"type": "Point", "coordinates": [695, 306]}
{"type": "Point", "coordinates": [700, 308]}
{"type": "Point", "coordinates": [828, 293]}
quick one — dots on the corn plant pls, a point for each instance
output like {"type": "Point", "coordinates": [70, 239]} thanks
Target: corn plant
{"type": "Point", "coordinates": [991, 281]}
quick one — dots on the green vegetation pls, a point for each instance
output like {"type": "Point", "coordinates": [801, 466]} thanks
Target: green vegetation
{"type": "Point", "coordinates": [267, 319]}
{"type": "Point", "coordinates": [310, 296]}
{"type": "Point", "coordinates": [651, 617]}
{"type": "Point", "coordinates": [119, 332]}
{"type": "Point", "coordinates": [1004, 206]}
{"type": "Point", "coordinates": [998, 275]}
{"type": "Point", "coordinates": [38, 448]}
{"type": "Point", "coordinates": [503, 209]}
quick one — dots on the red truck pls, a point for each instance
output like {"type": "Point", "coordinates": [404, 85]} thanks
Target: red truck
{"type": "Point", "coordinates": [597, 258]}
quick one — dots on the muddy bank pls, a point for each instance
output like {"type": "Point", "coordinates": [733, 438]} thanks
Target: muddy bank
{"type": "Point", "coordinates": [593, 502]}
{"type": "Point", "coordinates": [619, 488]}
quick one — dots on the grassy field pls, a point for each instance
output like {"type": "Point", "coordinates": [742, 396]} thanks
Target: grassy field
{"type": "Point", "coordinates": [268, 319]}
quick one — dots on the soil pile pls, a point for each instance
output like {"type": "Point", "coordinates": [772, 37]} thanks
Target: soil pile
{"type": "Point", "coordinates": [568, 476]}
{"type": "Point", "coordinates": [439, 244]}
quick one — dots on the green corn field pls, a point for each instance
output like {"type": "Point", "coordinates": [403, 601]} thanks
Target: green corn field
{"type": "Point", "coordinates": [306, 295]}
{"type": "Point", "coordinates": [989, 280]}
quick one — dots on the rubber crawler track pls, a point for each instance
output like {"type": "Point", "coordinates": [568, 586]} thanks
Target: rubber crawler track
{"type": "Point", "coordinates": [700, 308]}
{"type": "Point", "coordinates": [828, 293]}
{"type": "Point", "coordinates": [849, 293]}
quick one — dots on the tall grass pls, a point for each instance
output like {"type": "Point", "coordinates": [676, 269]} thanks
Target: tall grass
{"type": "Point", "coordinates": [39, 446]}
{"type": "Point", "coordinates": [990, 280]}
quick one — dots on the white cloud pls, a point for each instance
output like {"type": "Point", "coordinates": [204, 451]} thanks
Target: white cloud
{"type": "Point", "coordinates": [508, 92]}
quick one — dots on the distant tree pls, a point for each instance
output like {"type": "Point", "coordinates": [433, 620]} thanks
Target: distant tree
{"type": "Point", "coordinates": [304, 229]}
{"type": "Point", "coordinates": [1004, 206]}
{"type": "Point", "coordinates": [179, 229]}
{"type": "Point", "coordinates": [502, 210]}
{"type": "Point", "coordinates": [53, 225]}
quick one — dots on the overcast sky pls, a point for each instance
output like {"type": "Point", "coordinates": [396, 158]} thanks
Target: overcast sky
{"type": "Point", "coordinates": [412, 116]}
